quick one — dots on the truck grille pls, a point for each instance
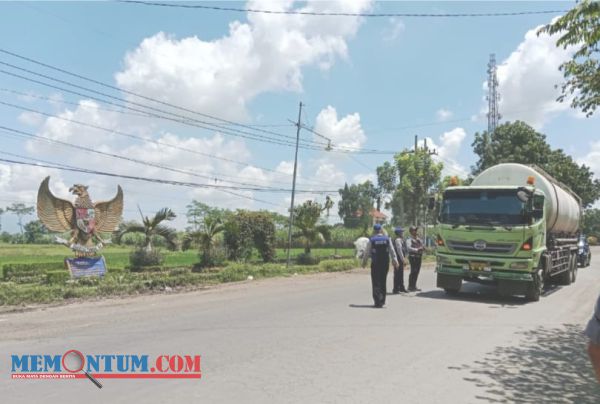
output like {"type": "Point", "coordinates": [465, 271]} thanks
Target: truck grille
{"type": "Point", "coordinates": [494, 248]}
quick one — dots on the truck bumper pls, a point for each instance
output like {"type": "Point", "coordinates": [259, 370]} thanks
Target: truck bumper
{"type": "Point", "coordinates": [494, 268]}
{"type": "Point", "coordinates": [468, 274]}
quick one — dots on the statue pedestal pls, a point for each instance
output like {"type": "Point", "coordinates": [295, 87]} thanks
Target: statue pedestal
{"type": "Point", "coordinates": [86, 266]}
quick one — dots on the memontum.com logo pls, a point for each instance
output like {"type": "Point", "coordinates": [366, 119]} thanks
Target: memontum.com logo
{"type": "Point", "coordinates": [75, 365]}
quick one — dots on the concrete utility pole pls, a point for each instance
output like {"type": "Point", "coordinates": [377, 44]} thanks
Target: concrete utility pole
{"type": "Point", "coordinates": [298, 126]}
{"type": "Point", "coordinates": [493, 96]}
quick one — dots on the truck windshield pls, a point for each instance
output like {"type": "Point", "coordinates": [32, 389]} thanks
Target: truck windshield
{"type": "Point", "coordinates": [491, 207]}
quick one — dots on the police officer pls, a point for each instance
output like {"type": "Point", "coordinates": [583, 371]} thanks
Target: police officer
{"type": "Point", "coordinates": [593, 332]}
{"type": "Point", "coordinates": [400, 250]}
{"type": "Point", "coordinates": [381, 250]}
{"type": "Point", "coordinates": [414, 246]}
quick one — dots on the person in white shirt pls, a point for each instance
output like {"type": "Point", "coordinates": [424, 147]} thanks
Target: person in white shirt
{"type": "Point", "coordinates": [415, 249]}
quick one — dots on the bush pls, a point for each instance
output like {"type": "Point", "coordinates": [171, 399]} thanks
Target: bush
{"type": "Point", "coordinates": [307, 259]}
{"type": "Point", "coordinates": [57, 277]}
{"type": "Point", "coordinates": [28, 273]}
{"type": "Point", "coordinates": [338, 265]}
{"type": "Point", "coordinates": [592, 240]}
{"type": "Point", "coordinates": [142, 258]}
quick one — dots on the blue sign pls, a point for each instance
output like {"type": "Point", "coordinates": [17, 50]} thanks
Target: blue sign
{"type": "Point", "coordinates": [86, 266]}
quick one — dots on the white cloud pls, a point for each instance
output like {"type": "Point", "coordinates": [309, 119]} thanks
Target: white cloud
{"type": "Point", "coordinates": [30, 118]}
{"type": "Point", "coordinates": [528, 78]}
{"type": "Point", "coordinates": [394, 29]}
{"type": "Point", "coordinates": [266, 54]}
{"type": "Point", "coordinates": [330, 173]}
{"type": "Point", "coordinates": [592, 159]}
{"type": "Point", "coordinates": [360, 178]}
{"type": "Point", "coordinates": [448, 148]}
{"type": "Point", "coordinates": [344, 133]}
{"type": "Point", "coordinates": [444, 114]}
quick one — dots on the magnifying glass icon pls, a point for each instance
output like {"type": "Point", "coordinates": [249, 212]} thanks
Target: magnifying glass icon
{"type": "Point", "coordinates": [73, 361]}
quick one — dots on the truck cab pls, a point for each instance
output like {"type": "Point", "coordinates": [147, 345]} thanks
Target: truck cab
{"type": "Point", "coordinates": [491, 234]}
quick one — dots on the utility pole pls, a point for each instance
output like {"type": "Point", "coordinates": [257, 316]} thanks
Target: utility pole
{"type": "Point", "coordinates": [426, 208]}
{"type": "Point", "coordinates": [493, 96]}
{"type": "Point", "coordinates": [298, 126]}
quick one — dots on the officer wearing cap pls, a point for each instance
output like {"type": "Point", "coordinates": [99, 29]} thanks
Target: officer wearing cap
{"type": "Point", "coordinates": [593, 332]}
{"type": "Point", "coordinates": [400, 250]}
{"type": "Point", "coordinates": [414, 246]}
{"type": "Point", "coordinates": [381, 251]}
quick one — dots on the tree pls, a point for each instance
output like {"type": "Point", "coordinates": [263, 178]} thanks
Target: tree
{"type": "Point", "coordinates": [246, 230]}
{"type": "Point", "coordinates": [387, 180]}
{"type": "Point", "coordinates": [306, 217]}
{"type": "Point", "coordinates": [591, 222]}
{"type": "Point", "coordinates": [205, 238]}
{"type": "Point", "coordinates": [35, 232]}
{"type": "Point", "coordinates": [20, 210]}
{"type": "Point", "coordinates": [197, 211]}
{"type": "Point", "coordinates": [1, 213]}
{"type": "Point", "coordinates": [580, 28]}
{"type": "Point", "coordinates": [416, 175]}
{"type": "Point", "coordinates": [152, 228]}
{"type": "Point", "coordinates": [355, 204]}
{"type": "Point", "coordinates": [517, 142]}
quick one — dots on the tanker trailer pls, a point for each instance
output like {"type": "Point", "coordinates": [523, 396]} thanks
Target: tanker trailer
{"type": "Point", "coordinates": [515, 227]}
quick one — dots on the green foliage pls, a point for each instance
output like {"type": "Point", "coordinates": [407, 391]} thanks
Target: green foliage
{"type": "Point", "coordinates": [580, 28]}
{"type": "Point", "coordinates": [57, 277]}
{"type": "Point", "coordinates": [307, 259]}
{"type": "Point", "coordinates": [591, 222]}
{"type": "Point", "coordinates": [356, 203]}
{"type": "Point", "coordinates": [141, 257]}
{"type": "Point", "coordinates": [28, 273]}
{"type": "Point", "coordinates": [246, 230]}
{"type": "Point", "coordinates": [306, 217]}
{"type": "Point", "coordinates": [517, 142]}
{"type": "Point", "coordinates": [417, 175]}
{"type": "Point", "coordinates": [338, 265]}
{"type": "Point", "coordinates": [151, 228]}
{"type": "Point", "coordinates": [197, 212]}
{"type": "Point", "coordinates": [205, 238]}
{"type": "Point", "coordinates": [36, 233]}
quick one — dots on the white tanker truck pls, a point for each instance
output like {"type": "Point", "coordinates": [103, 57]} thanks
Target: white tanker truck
{"type": "Point", "coordinates": [515, 226]}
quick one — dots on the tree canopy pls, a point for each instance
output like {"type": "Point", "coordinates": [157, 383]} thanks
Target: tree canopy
{"type": "Point", "coordinates": [580, 28]}
{"type": "Point", "coordinates": [517, 142]}
{"type": "Point", "coordinates": [355, 204]}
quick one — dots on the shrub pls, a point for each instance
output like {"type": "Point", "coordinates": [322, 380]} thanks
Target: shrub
{"type": "Point", "coordinates": [592, 240]}
{"type": "Point", "coordinates": [57, 277]}
{"type": "Point", "coordinates": [28, 273]}
{"type": "Point", "coordinates": [247, 230]}
{"type": "Point", "coordinates": [338, 265]}
{"type": "Point", "coordinates": [307, 259]}
{"type": "Point", "coordinates": [140, 257]}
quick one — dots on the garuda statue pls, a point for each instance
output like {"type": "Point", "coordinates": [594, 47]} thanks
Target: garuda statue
{"type": "Point", "coordinates": [84, 219]}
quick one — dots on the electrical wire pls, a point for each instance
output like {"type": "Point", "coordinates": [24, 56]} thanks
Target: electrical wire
{"type": "Point", "coordinates": [342, 14]}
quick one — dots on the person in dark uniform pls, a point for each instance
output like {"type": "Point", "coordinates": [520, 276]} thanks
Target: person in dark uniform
{"type": "Point", "coordinates": [414, 246]}
{"type": "Point", "coordinates": [400, 250]}
{"type": "Point", "coordinates": [381, 251]}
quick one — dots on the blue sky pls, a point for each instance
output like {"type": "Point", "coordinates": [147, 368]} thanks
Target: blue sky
{"type": "Point", "coordinates": [367, 83]}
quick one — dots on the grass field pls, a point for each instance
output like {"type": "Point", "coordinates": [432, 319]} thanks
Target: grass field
{"type": "Point", "coordinates": [118, 256]}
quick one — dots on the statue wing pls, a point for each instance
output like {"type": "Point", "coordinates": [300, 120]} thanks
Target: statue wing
{"type": "Point", "coordinates": [55, 213]}
{"type": "Point", "coordinates": [108, 213]}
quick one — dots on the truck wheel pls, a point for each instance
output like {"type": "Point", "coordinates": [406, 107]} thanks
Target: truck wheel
{"type": "Point", "coordinates": [565, 278]}
{"type": "Point", "coordinates": [574, 269]}
{"type": "Point", "coordinates": [534, 291]}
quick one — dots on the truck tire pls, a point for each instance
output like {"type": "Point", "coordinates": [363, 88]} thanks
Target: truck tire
{"type": "Point", "coordinates": [452, 291]}
{"type": "Point", "coordinates": [565, 278]}
{"type": "Point", "coordinates": [574, 268]}
{"type": "Point", "coordinates": [534, 291]}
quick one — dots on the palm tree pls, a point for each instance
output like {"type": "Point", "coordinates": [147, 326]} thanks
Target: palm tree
{"type": "Point", "coordinates": [152, 227]}
{"type": "Point", "coordinates": [205, 238]}
{"type": "Point", "coordinates": [306, 217]}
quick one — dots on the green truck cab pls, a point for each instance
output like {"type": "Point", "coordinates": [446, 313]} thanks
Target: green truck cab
{"type": "Point", "coordinates": [509, 234]}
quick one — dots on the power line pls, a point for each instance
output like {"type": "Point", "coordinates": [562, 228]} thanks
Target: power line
{"type": "Point", "coordinates": [312, 145]}
{"type": "Point", "coordinates": [139, 138]}
{"type": "Point", "coordinates": [246, 187]}
{"type": "Point", "coordinates": [342, 14]}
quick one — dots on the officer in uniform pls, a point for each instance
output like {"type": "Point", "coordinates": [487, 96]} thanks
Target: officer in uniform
{"type": "Point", "coordinates": [593, 332]}
{"type": "Point", "coordinates": [381, 250]}
{"type": "Point", "coordinates": [415, 249]}
{"type": "Point", "coordinates": [400, 250]}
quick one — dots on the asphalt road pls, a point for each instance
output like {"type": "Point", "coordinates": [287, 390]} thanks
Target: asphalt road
{"type": "Point", "coordinates": [316, 339]}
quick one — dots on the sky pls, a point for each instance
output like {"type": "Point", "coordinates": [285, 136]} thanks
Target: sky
{"type": "Point", "coordinates": [365, 84]}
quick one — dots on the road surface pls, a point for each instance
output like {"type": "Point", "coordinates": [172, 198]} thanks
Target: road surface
{"type": "Point", "coordinates": [316, 339]}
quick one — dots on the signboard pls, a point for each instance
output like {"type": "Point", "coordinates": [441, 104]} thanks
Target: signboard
{"type": "Point", "coordinates": [86, 266]}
